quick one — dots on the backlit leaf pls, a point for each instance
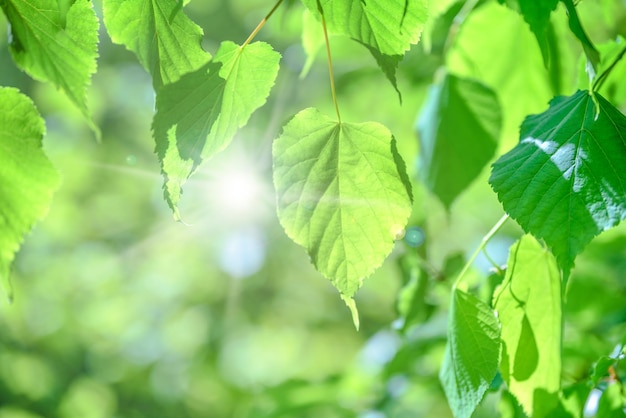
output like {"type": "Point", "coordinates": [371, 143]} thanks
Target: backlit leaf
{"type": "Point", "coordinates": [472, 353]}
{"type": "Point", "coordinates": [342, 194]}
{"type": "Point", "coordinates": [458, 129]}
{"type": "Point", "coordinates": [55, 45]}
{"type": "Point", "coordinates": [390, 26]}
{"type": "Point", "coordinates": [564, 182]}
{"type": "Point", "coordinates": [166, 41]}
{"type": "Point", "coordinates": [529, 308]}
{"type": "Point", "coordinates": [198, 115]}
{"type": "Point", "coordinates": [27, 178]}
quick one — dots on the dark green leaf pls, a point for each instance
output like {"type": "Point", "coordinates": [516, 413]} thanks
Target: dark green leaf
{"type": "Point", "coordinates": [27, 178]}
{"type": "Point", "coordinates": [458, 130]}
{"type": "Point", "coordinates": [564, 182]}
{"type": "Point", "coordinates": [472, 354]}
{"type": "Point", "coordinates": [341, 194]}
{"type": "Point", "coordinates": [198, 115]}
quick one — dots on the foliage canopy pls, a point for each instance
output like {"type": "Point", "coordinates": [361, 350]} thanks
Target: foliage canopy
{"type": "Point", "coordinates": [474, 75]}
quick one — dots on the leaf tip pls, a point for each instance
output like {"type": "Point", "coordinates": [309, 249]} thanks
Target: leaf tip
{"type": "Point", "coordinates": [351, 304]}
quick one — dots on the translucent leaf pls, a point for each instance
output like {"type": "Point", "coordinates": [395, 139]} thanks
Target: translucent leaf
{"type": "Point", "coordinates": [198, 115]}
{"type": "Point", "coordinates": [471, 358]}
{"type": "Point", "coordinates": [458, 129]}
{"type": "Point", "coordinates": [165, 40]}
{"type": "Point", "coordinates": [27, 178]}
{"type": "Point", "coordinates": [342, 194]}
{"type": "Point", "coordinates": [390, 26]}
{"type": "Point", "coordinates": [54, 45]}
{"type": "Point", "coordinates": [529, 308]}
{"type": "Point", "coordinates": [564, 182]}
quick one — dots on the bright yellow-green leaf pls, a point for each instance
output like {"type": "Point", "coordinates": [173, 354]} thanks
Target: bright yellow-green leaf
{"type": "Point", "coordinates": [389, 26]}
{"type": "Point", "coordinates": [342, 194]}
{"type": "Point", "coordinates": [27, 178]}
{"type": "Point", "coordinates": [198, 115]}
{"type": "Point", "coordinates": [55, 45]}
{"type": "Point", "coordinates": [164, 39]}
{"type": "Point", "coordinates": [529, 308]}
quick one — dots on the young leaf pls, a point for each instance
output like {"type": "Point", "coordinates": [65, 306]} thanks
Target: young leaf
{"type": "Point", "coordinates": [564, 181]}
{"type": "Point", "coordinates": [389, 26]}
{"type": "Point", "coordinates": [342, 194]}
{"type": "Point", "coordinates": [54, 46]}
{"type": "Point", "coordinates": [458, 129]}
{"type": "Point", "coordinates": [198, 115]}
{"type": "Point", "coordinates": [529, 309]}
{"type": "Point", "coordinates": [27, 178]}
{"type": "Point", "coordinates": [166, 41]}
{"type": "Point", "coordinates": [472, 353]}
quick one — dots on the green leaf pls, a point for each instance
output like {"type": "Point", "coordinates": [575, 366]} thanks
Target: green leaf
{"type": "Point", "coordinates": [537, 14]}
{"type": "Point", "coordinates": [56, 46]}
{"type": "Point", "coordinates": [166, 42]}
{"type": "Point", "coordinates": [198, 115]}
{"type": "Point", "coordinates": [458, 131]}
{"type": "Point", "coordinates": [389, 26]}
{"type": "Point", "coordinates": [601, 368]}
{"type": "Point", "coordinates": [529, 309]}
{"type": "Point", "coordinates": [471, 358]}
{"type": "Point", "coordinates": [27, 178]}
{"type": "Point", "coordinates": [509, 407]}
{"type": "Point", "coordinates": [342, 194]}
{"type": "Point", "coordinates": [564, 182]}
{"type": "Point", "coordinates": [389, 65]}
{"type": "Point", "coordinates": [492, 31]}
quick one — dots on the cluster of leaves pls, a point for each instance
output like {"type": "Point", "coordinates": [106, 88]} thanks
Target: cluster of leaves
{"type": "Point", "coordinates": [343, 192]}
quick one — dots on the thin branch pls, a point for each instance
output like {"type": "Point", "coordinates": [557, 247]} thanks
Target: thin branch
{"type": "Point", "coordinates": [598, 83]}
{"type": "Point", "coordinates": [481, 247]}
{"type": "Point", "coordinates": [261, 24]}
{"type": "Point", "coordinates": [330, 61]}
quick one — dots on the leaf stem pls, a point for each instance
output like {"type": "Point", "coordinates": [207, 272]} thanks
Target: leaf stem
{"type": "Point", "coordinates": [480, 248]}
{"type": "Point", "coordinates": [261, 24]}
{"type": "Point", "coordinates": [330, 61]}
{"type": "Point", "coordinates": [598, 83]}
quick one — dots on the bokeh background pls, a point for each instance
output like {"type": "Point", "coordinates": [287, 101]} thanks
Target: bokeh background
{"type": "Point", "coordinates": [119, 311]}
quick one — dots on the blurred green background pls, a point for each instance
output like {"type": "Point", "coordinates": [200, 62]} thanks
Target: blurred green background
{"type": "Point", "coordinates": [119, 311]}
